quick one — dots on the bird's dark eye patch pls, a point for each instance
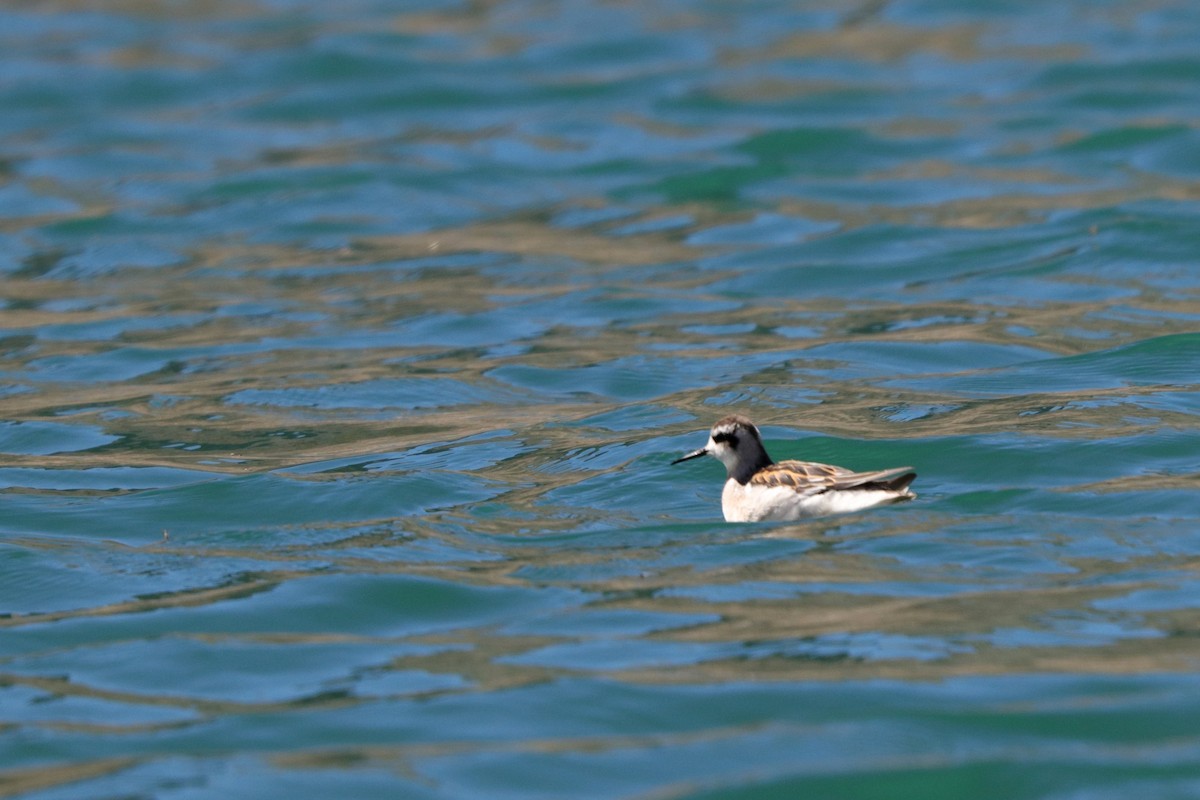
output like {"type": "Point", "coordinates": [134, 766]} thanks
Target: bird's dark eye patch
{"type": "Point", "coordinates": [728, 437]}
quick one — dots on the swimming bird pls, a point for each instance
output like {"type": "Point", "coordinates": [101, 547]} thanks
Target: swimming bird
{"type": "Point", "coordinates": [759, 489]}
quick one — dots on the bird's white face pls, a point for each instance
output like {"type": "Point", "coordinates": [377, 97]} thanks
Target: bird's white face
{"type": "Point", "coordinates": [735, 443]}
{"type": "Point", "coordinates": [723, 445]}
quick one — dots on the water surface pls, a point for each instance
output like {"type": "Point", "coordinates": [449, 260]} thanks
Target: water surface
{"type": "Point", "coordinates": [345, 350]}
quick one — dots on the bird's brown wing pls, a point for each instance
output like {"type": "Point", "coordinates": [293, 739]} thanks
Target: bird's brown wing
{"type": "Point", "coordinates": [809, 477]}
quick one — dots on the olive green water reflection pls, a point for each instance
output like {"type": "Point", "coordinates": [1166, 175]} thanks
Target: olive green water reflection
{"type": "Point", "coordinates": [345, 350]}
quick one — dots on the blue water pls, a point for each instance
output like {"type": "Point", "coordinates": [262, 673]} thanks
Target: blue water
{"type": "Point", "coordinates": [345, 349]}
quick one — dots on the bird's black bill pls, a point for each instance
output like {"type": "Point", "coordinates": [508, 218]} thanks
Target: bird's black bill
{"type": "Point", "coordinates": [690, 456]}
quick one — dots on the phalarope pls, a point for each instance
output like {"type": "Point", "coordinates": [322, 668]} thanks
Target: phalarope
{"type": "Point", "coordinates": [758, 489]}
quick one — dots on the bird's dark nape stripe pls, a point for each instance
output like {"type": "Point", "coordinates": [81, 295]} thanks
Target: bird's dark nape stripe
{"type": "Point", "coordinates": [747, 469]}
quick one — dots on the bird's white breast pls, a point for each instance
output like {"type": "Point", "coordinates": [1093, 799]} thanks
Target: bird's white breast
{"type": "Point", "coordinates": [756, 503]}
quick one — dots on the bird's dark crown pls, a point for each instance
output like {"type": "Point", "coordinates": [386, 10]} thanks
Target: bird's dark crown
{"type": "Point", "coordinates": [730, 428]}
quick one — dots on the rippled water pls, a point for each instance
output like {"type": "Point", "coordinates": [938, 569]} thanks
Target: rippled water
{"type": "Point", "coordinates": [346, 346]}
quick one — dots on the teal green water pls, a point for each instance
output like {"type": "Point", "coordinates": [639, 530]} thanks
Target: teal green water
{"type": "Point", "coordinates": [346, 347]}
